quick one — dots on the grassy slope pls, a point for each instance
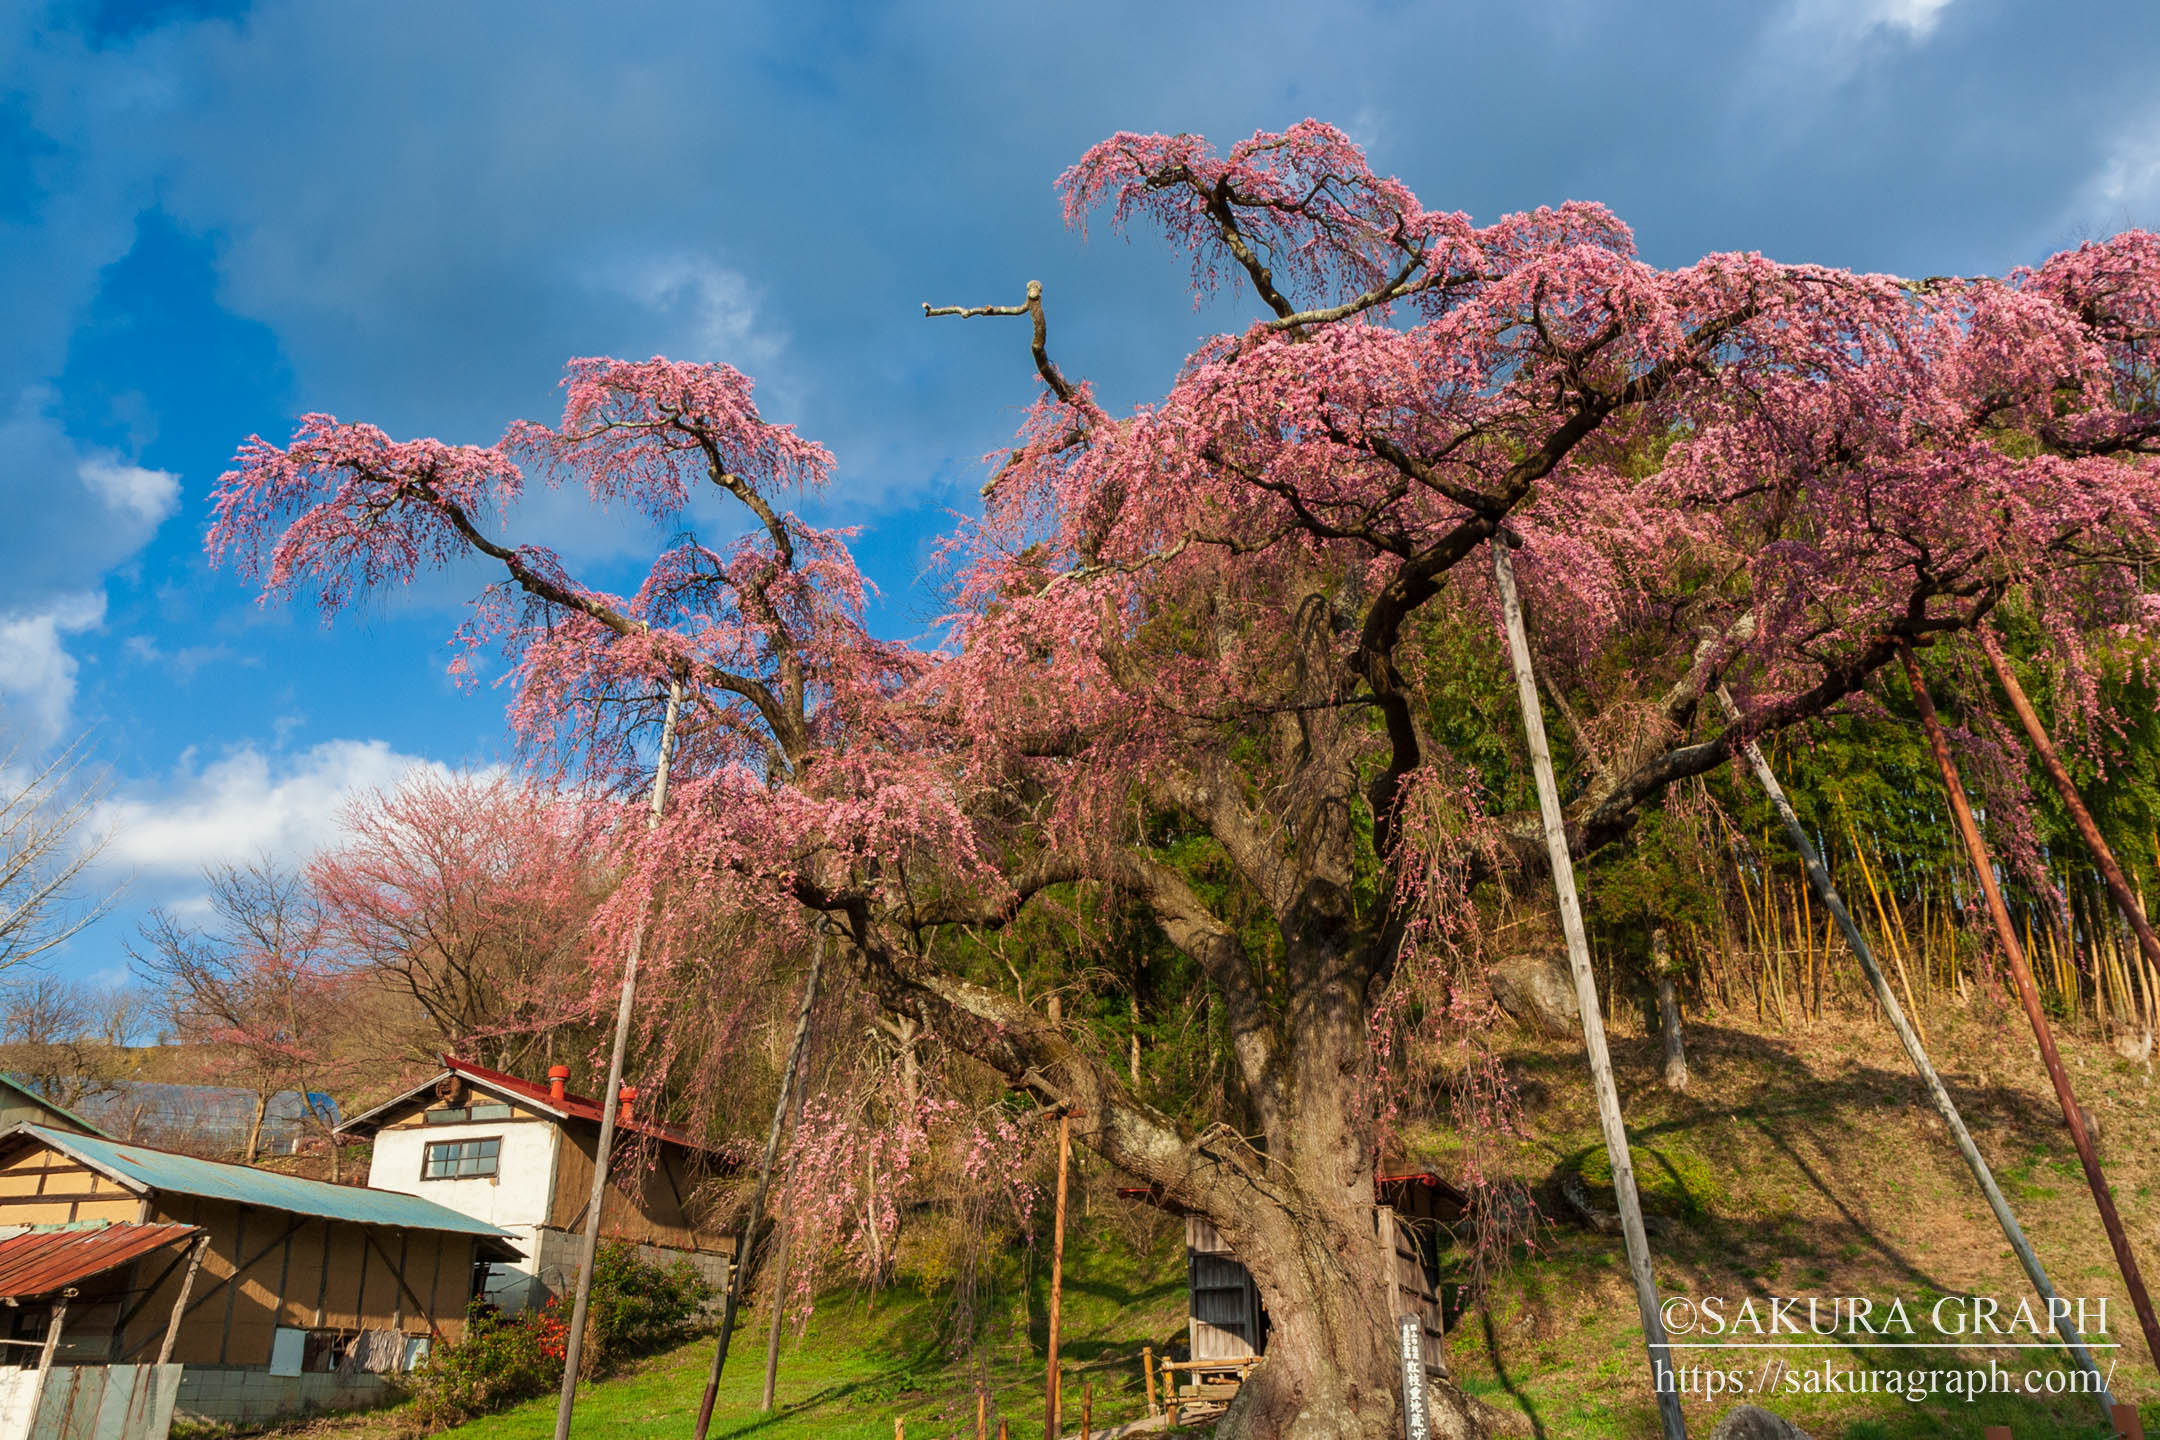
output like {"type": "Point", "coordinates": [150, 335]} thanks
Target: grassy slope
{"type": "Point", "coordinates": [1806, 1162]}
{"type": "Point", "coordinates": [1803, 1161]}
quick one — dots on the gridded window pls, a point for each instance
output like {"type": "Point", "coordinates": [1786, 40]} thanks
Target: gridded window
{"type": "Point", "coordinates": [459, 1115]}
{"type": "Point", "coordinates": [461, 1159]}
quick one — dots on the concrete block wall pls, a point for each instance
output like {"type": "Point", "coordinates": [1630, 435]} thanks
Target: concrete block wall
{"type": "Point", "coordinates": [235, 1396]}
{"type": "Point", "coordinates": [555, 1261]}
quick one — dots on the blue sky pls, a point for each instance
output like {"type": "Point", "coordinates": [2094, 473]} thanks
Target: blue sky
{"type": "Point", "coordinates": [217, 215]}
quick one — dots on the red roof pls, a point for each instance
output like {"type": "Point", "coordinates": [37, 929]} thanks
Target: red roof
{"type": "Point", "coordinates": [584, 1107]}
{"type": "Point", "coordinates": [40, 1262]}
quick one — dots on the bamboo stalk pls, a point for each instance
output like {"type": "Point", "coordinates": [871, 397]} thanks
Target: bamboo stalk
{"type": "Point", "coordinates": [1916, 1052]}
{"type": "Point", "coordinates": [2095, 1180]}
{"type": "Point", "coordinates": [1897, 957]}
{"type": "Point", "coordinates": [1636, 1239]}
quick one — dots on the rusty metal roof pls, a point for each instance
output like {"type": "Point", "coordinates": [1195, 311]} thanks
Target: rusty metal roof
{"type": "Point", "coordinates": [40, 1262]}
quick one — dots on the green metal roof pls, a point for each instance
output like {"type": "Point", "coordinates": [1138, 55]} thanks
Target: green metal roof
{"type": "Point", "coordinates": [9, 1082]}
{"type": "Point", "coordinates": [142, 1169]}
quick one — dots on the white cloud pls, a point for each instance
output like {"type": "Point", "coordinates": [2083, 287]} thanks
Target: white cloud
{"type": "Point", "coordinates": [2126, 188]}
{"type": "Point", "coordinates": [1851, 21]}
{"type": "Point", "coordinates": [37, 674]}
{"type": "Point", "coordinates": [146, 495]}
{"type": "Point", "coordinates": [711, 307]}
{"type": "Point", "coordinates": [1812, 43]}
{"type": "Point", "coordinates": [183, 662]}
{"type": "Point", "coordinates": [247, 804]}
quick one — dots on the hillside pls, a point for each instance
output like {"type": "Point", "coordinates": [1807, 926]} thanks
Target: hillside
{"type": "Point", "coordinates": [1800, 1163]}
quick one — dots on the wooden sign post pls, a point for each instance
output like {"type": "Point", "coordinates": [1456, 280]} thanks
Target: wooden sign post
{"type": "Point", "coordinates": [1410, 1330]}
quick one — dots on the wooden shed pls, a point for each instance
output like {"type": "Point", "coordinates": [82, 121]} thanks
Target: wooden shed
{"type": "Point", "coordinates": [1225, 1321]}
{"type": "Point", "coordinates": [287, 1279]}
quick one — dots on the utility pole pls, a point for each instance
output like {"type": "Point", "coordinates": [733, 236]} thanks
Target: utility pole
{"type": "Point", "coordinates": [611, 1100]}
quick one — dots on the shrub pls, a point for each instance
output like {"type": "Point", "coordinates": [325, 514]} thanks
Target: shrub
{"type": "Point", "coordinates": [497, 1364]}
{"type": "Point", "coordinates": [636, 1307]}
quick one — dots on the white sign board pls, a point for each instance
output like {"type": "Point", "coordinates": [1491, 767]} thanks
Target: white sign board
{"type": "Point", "coordinates": [1412, 1331]}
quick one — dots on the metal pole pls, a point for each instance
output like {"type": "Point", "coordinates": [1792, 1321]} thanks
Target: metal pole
{"type": "Point", "coordinates": [2029, 996]}
{"type": "Point", "coordinates": [1819, 876]}
{"type": "Point", "coordinates": [589, 1248]}
{"type": "Point", "coordinates": [1662, 1378]}
{"type": "Point", "coordinates": [741, 1267]}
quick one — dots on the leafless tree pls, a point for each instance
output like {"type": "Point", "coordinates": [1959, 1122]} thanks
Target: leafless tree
{"type": "Point", "coordinates": [46, 845]}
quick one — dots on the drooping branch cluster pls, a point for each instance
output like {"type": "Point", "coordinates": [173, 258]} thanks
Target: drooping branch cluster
{"type": "Point", "coordinates": [1210, 619]}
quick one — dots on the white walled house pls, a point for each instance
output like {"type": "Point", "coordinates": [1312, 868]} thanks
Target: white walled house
{"type": "Point", "coordinates": [519, 1156]}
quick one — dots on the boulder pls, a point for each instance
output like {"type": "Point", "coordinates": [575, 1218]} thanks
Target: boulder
{"type": "Point", "coordinates": [1539, 993]}
{"type": "Point", "coordinates": [1752, 1422]}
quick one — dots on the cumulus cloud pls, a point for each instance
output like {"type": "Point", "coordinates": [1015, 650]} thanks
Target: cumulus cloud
{"type": "Point", "coordinates": [246, 804]}
{"type": "Point", "coordinates": [37, 674]}
{"type": "Point", "coordinates": [145, 496]}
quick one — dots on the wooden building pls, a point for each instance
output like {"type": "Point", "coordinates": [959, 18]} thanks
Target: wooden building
{"type": "Point", "coordinates": [519, 1155]}
{"type": "Point", "coordinates": [293, 1293]}
{"type": "Point", "coordinates": [21, 1105]}
{"type": "Point", "coordinates": [1227, 1324]}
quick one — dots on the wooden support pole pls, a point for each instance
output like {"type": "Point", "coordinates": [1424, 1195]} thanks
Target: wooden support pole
{"type": "Point", "coordinates": [1147, 1373]}
{"type": "Point", "coordinates": [982, 1416]}
{"type": "Point", "coordinates": [1087, 1410]}
{"type": "Point", "coordinates": [52, 1333]}
{"type": "Point", "coordinates": [1052, 1418]}
{"type": "Point", "coordinates": [779, 1293]}
{"type": "Point", "coordinates": [2126, 899]}
{"type": "Point", "coordinates": [180, 1302]}
{"type": "Point", "coordinates": [2127, 1424]}
{"type": "Point", "coordinates": [1916, 1051]}
{"type": "Point", "coordinates": [610, 1102]}
{"type": "Point", "coordinates": [1664, 1381]}
{"type": "Point", "coordinates": [46, 1352]}
{"type": "Point", "coordinates": [2029, 997]}
{"type": "Point", "coordinates": [738, 1272]}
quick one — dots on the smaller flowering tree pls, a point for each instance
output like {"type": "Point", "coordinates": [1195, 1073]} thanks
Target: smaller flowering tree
{"type": "Point", "coordinates": [469, 897]}
{"type": "Point", "coordinates": [259, 989]}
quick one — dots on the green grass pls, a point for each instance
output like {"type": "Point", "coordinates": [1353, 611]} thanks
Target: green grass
{"type": "Point", "coordinates": [1802, 1162]}
{"type": "Point", "coordinates": [862, 1362]}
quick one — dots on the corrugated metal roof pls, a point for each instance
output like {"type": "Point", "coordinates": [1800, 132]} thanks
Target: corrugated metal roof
{"type": "Point", "coordinates": [28, 1093]}
{"type": "Point", "coordinates": [39, 1262]}
{"type": "Point", "coordinates": [141, 1168]}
